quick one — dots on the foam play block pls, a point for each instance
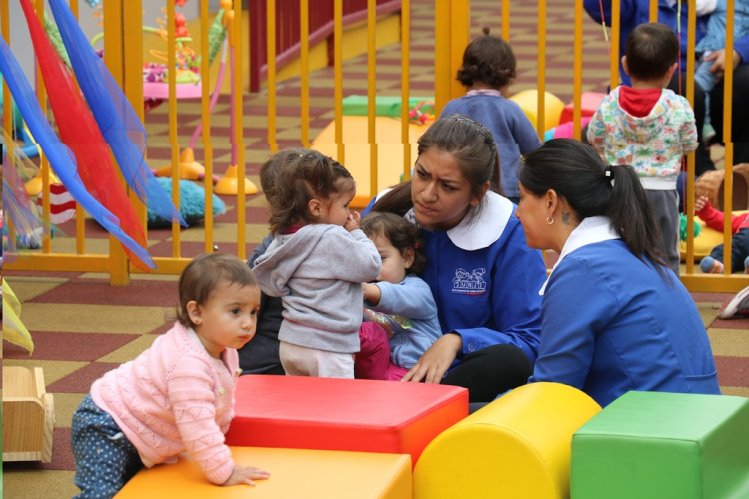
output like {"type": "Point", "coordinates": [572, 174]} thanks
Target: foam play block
{"type": "Point", "coordinates": [295, 473]}
{"type": "Point", "coordinates": [343, 414]}
{"type": "Point", "coordinates": [385, 105]}
{"type": "Point", "coordinates": [664, 445]}
{"type": "Point", "coordinates": [357, 152]}
{"type": "Point", "coordinates": [528, 102]}
{"type": "Point", "coordinates": [589, 102]}
{"type": "Point", "coordinates": [516, 446]}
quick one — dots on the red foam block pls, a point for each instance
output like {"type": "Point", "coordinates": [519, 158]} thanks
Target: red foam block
{"type": "Point", "coordinates": [589, 102]}
{"type": "Point", "coordinates": [343, 414]}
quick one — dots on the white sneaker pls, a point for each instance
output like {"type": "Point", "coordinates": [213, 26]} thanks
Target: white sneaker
{"type": "Point", "coordinates": [739, 305]}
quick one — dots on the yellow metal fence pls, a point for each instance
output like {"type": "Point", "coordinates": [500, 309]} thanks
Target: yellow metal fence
{"type": "Point", "coordinates": [452, 20]}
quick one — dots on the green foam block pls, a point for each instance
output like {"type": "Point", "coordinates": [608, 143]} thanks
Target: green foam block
{"type": "Point", "coordinates": [358, 105]}
{"type": "Point", "coordinates": [663, 445]}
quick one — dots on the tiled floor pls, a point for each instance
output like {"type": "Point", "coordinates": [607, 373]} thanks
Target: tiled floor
{"type": "Point", "coordinates": [83, 327]}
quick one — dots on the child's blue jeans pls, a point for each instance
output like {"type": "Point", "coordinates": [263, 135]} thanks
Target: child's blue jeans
{"type": "Point", "coordinates": [104, 457]}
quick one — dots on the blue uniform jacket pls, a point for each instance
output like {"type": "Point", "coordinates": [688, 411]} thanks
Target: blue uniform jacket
{"type": "Point", "coordinates": [488, 295]}
{"type": "Point", "coordinates": [612, 324]}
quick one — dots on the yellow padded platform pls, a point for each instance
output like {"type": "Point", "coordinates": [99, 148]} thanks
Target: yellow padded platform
{"type": "Point", "coordinates": [356, 159]}
{"type": "Point", "coordinates": [705, 242]}
{"type": "Point", "coordinates": [517, 446]}
{"type": "Point", "coordinates": [295, 473]}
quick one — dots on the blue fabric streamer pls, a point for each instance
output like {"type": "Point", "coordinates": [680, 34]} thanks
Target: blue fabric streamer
{"type": "Point", "coordinates": [121, 127]}
{"type": "Point", "coordinates": [61, 158]}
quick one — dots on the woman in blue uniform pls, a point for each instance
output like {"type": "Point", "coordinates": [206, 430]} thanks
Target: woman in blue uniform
{"type": "Point", "coordinates": [483, 276]}
{"type": "Point", "coordinates": [614, 317]}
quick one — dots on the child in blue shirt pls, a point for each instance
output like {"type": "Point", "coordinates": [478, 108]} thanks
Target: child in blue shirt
{"type": "Point", "coordinates": [488, 71]}
{"type": "Point", "coordinates": [400, 305]}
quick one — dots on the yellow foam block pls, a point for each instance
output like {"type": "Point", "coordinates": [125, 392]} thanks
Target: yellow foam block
{"type": "Point", "coordinates": [357, 152]}
{"type": "Point", "coordinates": [528, 102]}
{"type": "Point", "coordinates": [517, 446]}
{"type": "Point", "coordinates": [295, 473]}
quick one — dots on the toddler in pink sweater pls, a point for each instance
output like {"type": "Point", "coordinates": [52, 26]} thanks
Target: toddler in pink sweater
{"type": "Point", "coordinates": [179, 394]}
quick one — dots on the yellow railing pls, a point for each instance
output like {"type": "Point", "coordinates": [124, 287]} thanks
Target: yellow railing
{"type": "Point", "coordinates": [452, 20]}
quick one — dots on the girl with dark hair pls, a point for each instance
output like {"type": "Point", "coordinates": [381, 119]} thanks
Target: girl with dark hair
{"type": "Point", "coordinates": [177, 396]}
{"type": "Point", "coordinates": [484, 278]}
{"type": "Point", "coordinates": [614, 318]}
{"type": "Point", "coordinates": [488, 70]}
{"type": "Point", "coordinates": [316, 263]}
{"type": "Point", "coordinates": [401, 316]}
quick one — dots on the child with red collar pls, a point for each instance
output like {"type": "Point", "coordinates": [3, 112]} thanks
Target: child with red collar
{"type": "Point", "coordinates": [649, 127]}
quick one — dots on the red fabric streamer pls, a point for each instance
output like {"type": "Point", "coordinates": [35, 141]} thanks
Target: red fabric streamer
{"type": "Point", "coordinates": [79, 131]}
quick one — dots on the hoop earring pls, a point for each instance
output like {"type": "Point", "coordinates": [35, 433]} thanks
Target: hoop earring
{"type": "Point", "coordinates": [549, 220]}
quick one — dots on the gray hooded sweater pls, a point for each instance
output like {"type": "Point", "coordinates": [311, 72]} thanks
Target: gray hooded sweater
{"type": "Point", "coordinates": [317, 272]}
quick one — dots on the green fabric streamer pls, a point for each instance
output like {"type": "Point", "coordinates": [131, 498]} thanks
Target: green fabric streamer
{"type": "Point", "coordinates": [683, 227]}
{"type": "Point", "coordinates": [56, 39]}
{"type": "Point", "coordinates": [216, 36]}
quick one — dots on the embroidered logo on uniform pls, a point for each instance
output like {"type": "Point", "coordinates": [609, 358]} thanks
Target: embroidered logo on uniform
{"type": "Point", "coordinates": [469, 283]}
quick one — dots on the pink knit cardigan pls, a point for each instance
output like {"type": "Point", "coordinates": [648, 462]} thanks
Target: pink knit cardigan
{"type": "Point", "coordinates": [174, 397]}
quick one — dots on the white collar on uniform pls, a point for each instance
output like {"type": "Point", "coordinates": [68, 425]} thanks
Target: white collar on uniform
{"type": "Point", "coordinates": [591, 230]}
{"type": "Point", "coordinates": [478, 232]}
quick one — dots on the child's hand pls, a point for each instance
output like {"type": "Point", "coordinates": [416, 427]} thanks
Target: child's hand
{"type": "Point", "coordinates": [245, 475]}
{"type": "Point", "coordinates": [352, 223]}
{"type": "Point", "coordinates": [699, 203]}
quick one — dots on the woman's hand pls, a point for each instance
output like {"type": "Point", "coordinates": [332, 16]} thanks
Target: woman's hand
{"type": "Point", "coordinates": [435, 362]}
{"type": "Point", "coordinates": [245, 475]}
{"type": "Point", "coordinates": [719, 61]}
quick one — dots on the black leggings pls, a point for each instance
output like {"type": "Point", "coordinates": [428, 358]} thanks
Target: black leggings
{"type": "Point", "coordinates": [739, 250]}
{"type": "Point", "coordinates": [490, 372]}
{"type": "Point", "coordinates": [740, 105]}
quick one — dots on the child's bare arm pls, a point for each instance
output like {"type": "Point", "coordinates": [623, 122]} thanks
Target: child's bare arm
{"type": "Point", "coordinates": [245, 475]}
{"type": "Point", "coordinates": [371, 293]}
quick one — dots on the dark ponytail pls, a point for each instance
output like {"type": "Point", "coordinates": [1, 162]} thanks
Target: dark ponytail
{"type": "Point", "coordinates": [632, 215]}
{"type": "Point", "coordinates": [578, 174]}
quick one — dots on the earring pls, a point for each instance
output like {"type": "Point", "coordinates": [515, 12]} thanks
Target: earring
{"type": "Point", "coordinates": [549, 220]}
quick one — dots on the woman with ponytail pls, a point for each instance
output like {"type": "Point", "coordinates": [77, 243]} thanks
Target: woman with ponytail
{"type": "Point", "coordinates": [613, 318]}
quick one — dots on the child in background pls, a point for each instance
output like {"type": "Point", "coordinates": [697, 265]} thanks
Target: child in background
{"type": "Point", "coordinates": [400, 304]}
{"type": "Point", "coordinates": [711, 45]}
{"type": "Point", "coordinates": [713, 218]}
{"type": "Point", "coordinates": [262, 357]}
{"type": "Point", "coordinates": [649, 127]}
{"type": "Point", "coordinates": [178, 395]}
{"type": "Point", "coordinates": [487, 72]}
{"type": "Point", "coordinates": [316, 263]}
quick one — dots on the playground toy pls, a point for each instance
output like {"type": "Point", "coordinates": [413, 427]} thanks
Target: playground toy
{"type": "Point", "coordinates": [80, 132]}
{"type": "Point", "coordinates": [357, 152]}
{"type": "Point", "coordinates": [342, 414]}
{"type": "Point", "coordinates": [294, 473]}
{"type": "Point", "coordinates": [63, 164]}
{"type": "Point", "coordinates": [516, 446]}
{"type": "Point", "coordinates": [115, 117]}
{"type": "Point", "coordinates": [528, 102]}
{"type": "Point", "coordinates": [155, 74]}
{"type": "Point", "coordinates": [656, 445]}
{"type": "Point", "coordinates": [28, 415]}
